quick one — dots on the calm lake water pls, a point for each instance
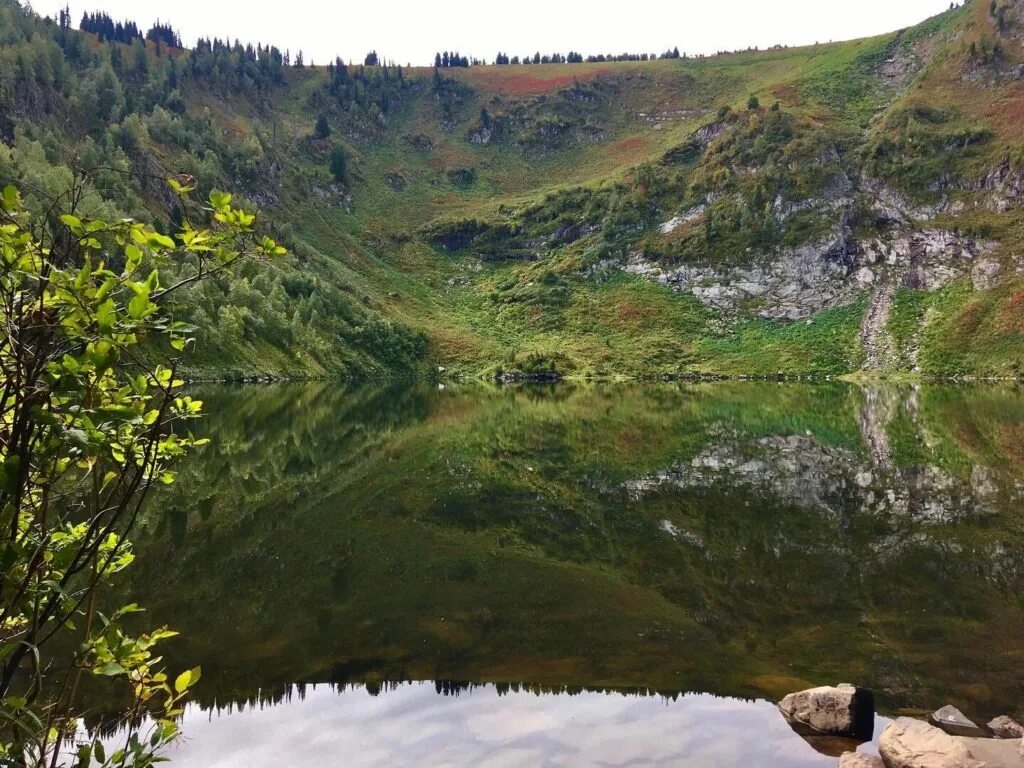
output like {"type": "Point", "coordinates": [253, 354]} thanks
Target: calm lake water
{"type": "Point", "coordinates": [584, 575]}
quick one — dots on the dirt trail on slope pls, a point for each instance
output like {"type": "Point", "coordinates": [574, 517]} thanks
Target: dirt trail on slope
{"type": "Point", "coordinates": [873, 332]}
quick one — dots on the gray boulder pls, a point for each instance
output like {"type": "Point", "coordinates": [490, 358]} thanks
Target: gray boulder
{"type": "Point", "coordinates": [843, 710]}
{"type": "Point", "coordinates": [953, 721]}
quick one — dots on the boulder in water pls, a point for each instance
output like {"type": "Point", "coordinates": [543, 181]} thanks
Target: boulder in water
{"type": "Point", "coordinates": [843, 710]}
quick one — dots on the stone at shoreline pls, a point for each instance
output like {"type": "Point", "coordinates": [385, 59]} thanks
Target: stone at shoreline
{"type": "Point", "coordinates": [856, 760]}
{"type": "Point", "coordinates": [843, 710]}
{"type": "Point", "coordinates": [953, 721]}
{"type": "Point", "coordinates": [995, 753]}
{"type": "Point", "coordinates": [1006, 727]}
{"type": "Point", "coordinates": [909, 743]}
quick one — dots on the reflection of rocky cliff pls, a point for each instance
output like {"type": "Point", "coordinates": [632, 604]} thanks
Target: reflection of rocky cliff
{"type": "Point", "coordinates": [838, 481]}
{"type": "Point", "coordinates": [833, 481]}
{"type": "Point", "coordinates": [740, 539]}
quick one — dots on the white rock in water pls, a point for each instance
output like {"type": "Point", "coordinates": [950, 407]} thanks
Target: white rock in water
{"type": "Point", "coordinates": [844, 710]}
{"type": "Point", "coordinates": [909, 743]}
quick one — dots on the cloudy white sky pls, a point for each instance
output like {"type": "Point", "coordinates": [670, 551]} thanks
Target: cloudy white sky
{"type": "Point", "coordinates": [411, 30]}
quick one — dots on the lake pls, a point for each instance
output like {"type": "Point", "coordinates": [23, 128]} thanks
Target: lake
{"type": "Point", "coordinates": [616, 575]}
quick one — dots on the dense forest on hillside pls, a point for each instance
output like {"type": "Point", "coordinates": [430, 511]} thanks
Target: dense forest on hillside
{"type": "Point", "coordinates": [820, 210]}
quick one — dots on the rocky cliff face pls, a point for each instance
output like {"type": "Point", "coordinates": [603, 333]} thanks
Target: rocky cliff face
{"type": "Point", "coordinates": [904, 246]}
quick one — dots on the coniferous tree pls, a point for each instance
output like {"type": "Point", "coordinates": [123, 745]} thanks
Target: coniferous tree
{"type": "Point", "coordinates": [323, 128]}
{"type": "Point", "coordinates": [339, 165]}
{"type": "Point", "coordinates": [165, 34]}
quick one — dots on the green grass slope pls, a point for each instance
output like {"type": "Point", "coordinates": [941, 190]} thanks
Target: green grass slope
{"type": "Point", "coordinates": [484, 216]}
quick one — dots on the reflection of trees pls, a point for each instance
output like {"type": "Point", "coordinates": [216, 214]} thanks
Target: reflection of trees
{"type": "Point", "coordinates": [486, 533]}
{"type": "Point", "coordinates": [287, 693]}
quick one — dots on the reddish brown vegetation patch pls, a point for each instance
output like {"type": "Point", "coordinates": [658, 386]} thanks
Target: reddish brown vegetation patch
{"type": "Point", "coordinates": [1011, 441]}
{"type": "Point", "coordinates": [532, 80]}
{"type": "Point", "coordinates": [970, 319]}
{"type": "Point", "coordinates": [1007, 114]}
{"type": "Point", "coordinates": [787, 95]}
{"type": "Point", "coordinates": [629, 313]}
{"type": "Point", "coordinates": [1011, 314]}
{"type": "Point", "coordinates": [631, 149]}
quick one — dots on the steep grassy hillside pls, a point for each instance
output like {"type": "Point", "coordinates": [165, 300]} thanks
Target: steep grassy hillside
{"type": "Point", "coordinates": [818, 210]}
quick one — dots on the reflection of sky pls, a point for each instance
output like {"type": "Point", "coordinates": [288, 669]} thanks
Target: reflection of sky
{"type": "Point", "coordinates": [415, 726]}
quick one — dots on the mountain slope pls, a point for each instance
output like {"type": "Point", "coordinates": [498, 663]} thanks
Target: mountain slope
{"type": "Point", "coordinates": [808, 211]}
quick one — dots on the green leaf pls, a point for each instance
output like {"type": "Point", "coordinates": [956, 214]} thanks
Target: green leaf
{"type": "Point", "coordinates": [182, 682]}
{"type": "Point", "coordinates": [138, 307]}
{"type": "Point", "coordinates": [77, 438]}
{"type": "Point", "coordinates": [9, 199]}
{"type": "Point", "coordinates": [133, 257]}
{"type": "Point", "coordinates": [220, 199]}
{"type": "Point", "coordinates": [73, 223]}
{"type": "Point", "coordinates": [9, 473]}
{"type": "Point", "coordinates": [106, 288]}
{"type": "Point", "coordinates": [155, 239]}
{"type": "Point", "coordinates": [110, 669]}
{"type": "Point", "coordinates": [105, 315]}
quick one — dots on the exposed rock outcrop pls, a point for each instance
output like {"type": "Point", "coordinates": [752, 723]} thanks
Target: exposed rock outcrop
{"type": "Point", "coordinates": [874, 336]}
{"type": "Point", "coordinates": [794, 283]}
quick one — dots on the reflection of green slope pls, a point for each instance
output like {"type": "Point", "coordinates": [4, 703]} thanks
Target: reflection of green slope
{"type": "Point", "coordinates": [981, 427]}
{"type": "Point", "coordinates": [635, 536]}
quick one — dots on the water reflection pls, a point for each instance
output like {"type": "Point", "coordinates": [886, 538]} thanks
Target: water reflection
{"type": "Point", "coordinates": [743, 540]}
{"type": "Point", "coordinates": [414, 726]}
